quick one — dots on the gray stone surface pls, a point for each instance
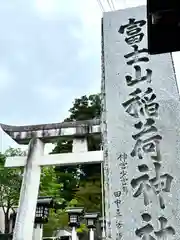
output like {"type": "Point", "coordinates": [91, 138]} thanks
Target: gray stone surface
{"type": "Point", "coordinates": [106, 167]}
{"type": "Point", "coordinates": [50, 132]}
{"type": "Point", "coordinates": [29, 192]}
{"type": "Point", "coordinates": [144, 184]}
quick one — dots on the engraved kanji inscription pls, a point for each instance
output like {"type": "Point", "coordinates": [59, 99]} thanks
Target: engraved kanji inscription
{"type": "Point", "coordinates": [123, 171]}
{"type": "Point", "coordinates": [149, 145]}
{"type": "Point", "coordinates": [161, 183]}
{"type": "Point", "coordinates": [148, 127]}
{"type": "Point", "coordinates": [145, 232]}
{"type": "Point", "coordinates": [118, 212]}
{"type": "Point", "coordinates": [142, 184]}
{"type": "Point", "coordinates": [118, 235]}
{"type": "Point", "coordinates": [141, 103]}
{"type": "Point", "coordinates": [118, 229]}
{"type": "Point", "coordinates": [122, 157]}
{"type": "Point", "coordinates": [118, 223]}
{"type": "Point", "coordinates": [117, 194]}
{"type": "Point", "coordinates": [117, 202]}
{"type": "Point", "coordinates": [123, 175]}
{"type": "Point", "coordinates": [138, 76]}
{"type": "Point", "coordinates": [133, 31]}
{"type": "Point", "coordinates": [147, 139]}
{"type": "Point", "coordinates": [165, 232]}
{"type": "Point", "coordinates": [135, 56]}
{"type": "Point", "coordinates": [157, 185]}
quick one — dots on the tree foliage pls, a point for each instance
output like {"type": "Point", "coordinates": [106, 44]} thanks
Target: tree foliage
{"type": "Point", "coordinates": [79, 185]}
{"type": "Point", "coordinates": [85, 108]}
{"type": "Point", "coordinates": [10, 183]}
{"type": "Point", "coordinates": [49, 185]}
{"type": "Point", "coordinates": [73, 178]}
{"type": "Point", "coordinates": [58, 219]}
{"type": "Point", "coordinates": [89, 195]}
{"type": "Point", "coordinates": [68, 185]}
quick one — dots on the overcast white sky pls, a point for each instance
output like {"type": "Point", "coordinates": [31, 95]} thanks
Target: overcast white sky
{"type": "Point", "coordinates": [49, 55]}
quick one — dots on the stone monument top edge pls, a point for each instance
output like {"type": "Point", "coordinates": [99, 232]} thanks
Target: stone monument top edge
{"type": "Point", "coordinates": [126, 8]}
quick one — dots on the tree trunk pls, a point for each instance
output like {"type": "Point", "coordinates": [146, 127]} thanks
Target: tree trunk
{"type": "Point", "coordinates": [6, 221]}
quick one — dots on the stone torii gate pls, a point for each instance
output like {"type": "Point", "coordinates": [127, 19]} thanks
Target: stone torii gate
{"type": "Point", "coordinates": [37, 136]}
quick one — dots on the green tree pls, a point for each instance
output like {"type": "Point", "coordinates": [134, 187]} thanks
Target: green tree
{"type": "Point", "coordinates": [89, 195]}
{"type": "Point", "coordinates": [73, 178]}
{"type": "Point", "coordinates": [85, 108]}
{"type": "Point", "coordinates": [74, 185]}
{"type": "Point", "coordinates": [79, 185]}
{"type": "Point", "coordinates": [57, 219]}
{"type": "Point", "coordinates": [49, 186]}
{"type": "Point", "coordinates": [10, 183]}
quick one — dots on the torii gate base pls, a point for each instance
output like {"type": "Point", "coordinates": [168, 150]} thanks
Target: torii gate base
{"type": "Point", "coordinates": [32, 171]}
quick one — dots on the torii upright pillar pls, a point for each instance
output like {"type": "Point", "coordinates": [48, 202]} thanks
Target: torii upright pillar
{"type": "Point", "coordinates": [37, 136]}
{"type": "Point", "coordinates": [29, 192]}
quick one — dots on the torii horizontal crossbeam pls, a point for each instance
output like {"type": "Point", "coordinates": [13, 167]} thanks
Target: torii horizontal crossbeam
{"type": "Point", "coordinates": [59, 159]}
{"type": "Point", "coordinates": [48, 133]}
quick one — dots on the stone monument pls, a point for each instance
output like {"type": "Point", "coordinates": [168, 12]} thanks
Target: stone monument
{"type": "Point", "coordinates": [141, 123]}
{"type": "Point", "coordinates": [36, 136]}
{"type": "Point", "coordinates": [141, 138]}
